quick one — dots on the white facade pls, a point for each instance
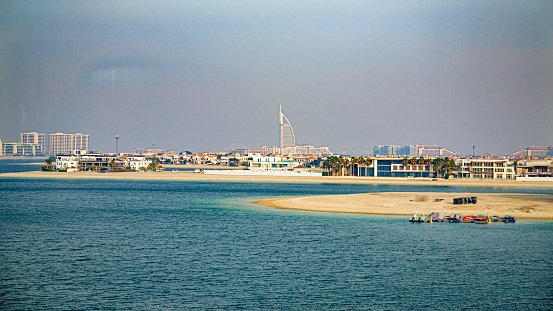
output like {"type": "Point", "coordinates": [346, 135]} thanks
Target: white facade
{"type": "Point", "coordinates": [66, 162]}
{"type": "Point", "coordinates": [137, 162]}
{"type": "Point", "coordinates": [264, 163]}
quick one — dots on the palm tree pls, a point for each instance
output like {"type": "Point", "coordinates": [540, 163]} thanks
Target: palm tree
{"type": "Point", "coordinates": [331, 164]}
{"type": "Point", "coordinates": [357, 160]}
{"type": "Point", "coordinates": [405, 161]}
{"type": "Point", "coordinates": [48, 163]}
{"type": "Point", "coordinates": [344, 163]}
{"type": "Point", "coordinates": [438, 165]}
{"type": "Point", "coordinates": [368, 161]}
{"type": "Point", "coordinates": [443, 166]}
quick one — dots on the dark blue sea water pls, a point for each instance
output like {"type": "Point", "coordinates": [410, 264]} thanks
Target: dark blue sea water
{"type": "Point", "coordinates": [143, 245]}
{"type": "Point", "coordinates": [21, 165]}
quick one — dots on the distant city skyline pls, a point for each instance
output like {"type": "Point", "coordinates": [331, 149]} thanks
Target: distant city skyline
{"type": "Point", "coordinates": [67, 143]}
{"type": "Point", "coordinates": [350, 75]}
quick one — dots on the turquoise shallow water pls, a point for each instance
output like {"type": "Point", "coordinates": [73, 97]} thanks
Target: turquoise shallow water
{"type": "Point", "coordinates": [142, 245]}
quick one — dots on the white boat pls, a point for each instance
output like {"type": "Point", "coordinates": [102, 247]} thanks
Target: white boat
{"type": "Point", "coordinates": [417, 217]}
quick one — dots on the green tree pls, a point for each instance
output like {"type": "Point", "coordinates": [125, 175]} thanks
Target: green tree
{"type": "Point", "coordinates": [443, 166]}
{"type": "Point", "coordinates": [405, 161]}
{"type": "Point", "coordinates": [332, 165]}
{"type": "Point", "coordinates": [48, 163]}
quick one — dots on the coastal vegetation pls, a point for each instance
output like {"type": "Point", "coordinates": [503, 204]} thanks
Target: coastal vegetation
{"type": "Point", "coordinates": [444, 166]}
{"type": "Point", "coordinates": [340, 165]}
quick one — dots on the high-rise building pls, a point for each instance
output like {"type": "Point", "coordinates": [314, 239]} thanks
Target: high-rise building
{"type": "Point", "coordinates": [33, 138]}
{"type": "Point", "coordinates": [61, 143]}
{"type": "Point", "coordinates": [29, 145]}
{"type": "Point", "coordinates": [383, 150]}
{"type": "Point", "coordinates": [434, 151]}
{"type": "Point", "coordinates": [287, 137]}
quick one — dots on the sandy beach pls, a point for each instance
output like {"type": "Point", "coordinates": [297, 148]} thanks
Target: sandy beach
{"type": "Point", "coordinates": [191, 176]}
{"type": "Point", "coordinates": [404, 203]}
{"type": "Point", "coordinates": [387, 203]}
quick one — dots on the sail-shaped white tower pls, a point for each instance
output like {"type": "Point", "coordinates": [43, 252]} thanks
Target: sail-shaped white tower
{"type": "Point", "coordinates": [287, 137]}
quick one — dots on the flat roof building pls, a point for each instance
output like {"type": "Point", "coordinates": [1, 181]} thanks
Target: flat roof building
{"type": "Point", "coordinates": [534, 151]}
{"type": "Point", "coordinates": [433, 151]}
{"type": "Point", "coordinates": [392, 167]}
{"type": "Point", "coordinates": [33, 138]}
{"type": "Point", "coordinates": [485, 169]}
{"type": "Point", "coordinates": [60, 143]}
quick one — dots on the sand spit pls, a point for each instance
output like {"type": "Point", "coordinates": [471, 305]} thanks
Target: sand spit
{"type": "Point", "coordinates": [404, 203]}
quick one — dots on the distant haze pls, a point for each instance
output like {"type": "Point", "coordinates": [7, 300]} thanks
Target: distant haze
{"type": "Point", "coordinates": [203, 75]}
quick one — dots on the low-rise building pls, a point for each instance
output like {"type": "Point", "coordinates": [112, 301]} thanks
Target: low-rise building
{"type": "Point", "coordinates": [21, 150]}
{"type": "Point", "coordinates": [534, 151]}
{"type": "Point", "coordinates": [392, 167]}
{"type": "Point", "coordinates": [535, 168]}
{"type": "Point", "coordinates": [136, 162]}
{"type": "Point", "coordinates": [271, 163]}
{"type": "Point", "coordinates": [485, 169]}
{"type": "Point", "coordinates": [64, 162]}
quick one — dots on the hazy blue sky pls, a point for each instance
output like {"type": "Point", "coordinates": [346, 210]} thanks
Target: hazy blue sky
{"type": "Point", "coordinates": [201, 75]}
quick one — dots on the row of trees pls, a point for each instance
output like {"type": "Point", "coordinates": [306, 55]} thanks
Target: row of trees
{"type": "Point", "coordinates": [339, 165]}
{"type": "Point", "coordinates": [442, 166]}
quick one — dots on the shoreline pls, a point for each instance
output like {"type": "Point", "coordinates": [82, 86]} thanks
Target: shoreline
{"type": "Point", "coordinates": [405, 203]}
{"type": "Point", "coordinates": [191, 176]}
{"type": "Point", "coordinates": [381, 203]}
{"type": "Point", "coordinates": [203, 166]}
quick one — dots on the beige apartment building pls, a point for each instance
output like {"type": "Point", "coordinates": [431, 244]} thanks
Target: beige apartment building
{"type": "Point", "coordinates": [485, 169]}
{"type": "Point", "coordinates": [61, 143]}
{"type": "Point", "coordinates": [33, 138]}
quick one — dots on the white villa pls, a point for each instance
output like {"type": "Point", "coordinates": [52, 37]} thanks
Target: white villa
{"type": "Point", "coordinates": [137, 161]}
{"type": "Point", "coordinates": [276, 163]}
{"type": "Point", "coordinates": [64, 162]}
